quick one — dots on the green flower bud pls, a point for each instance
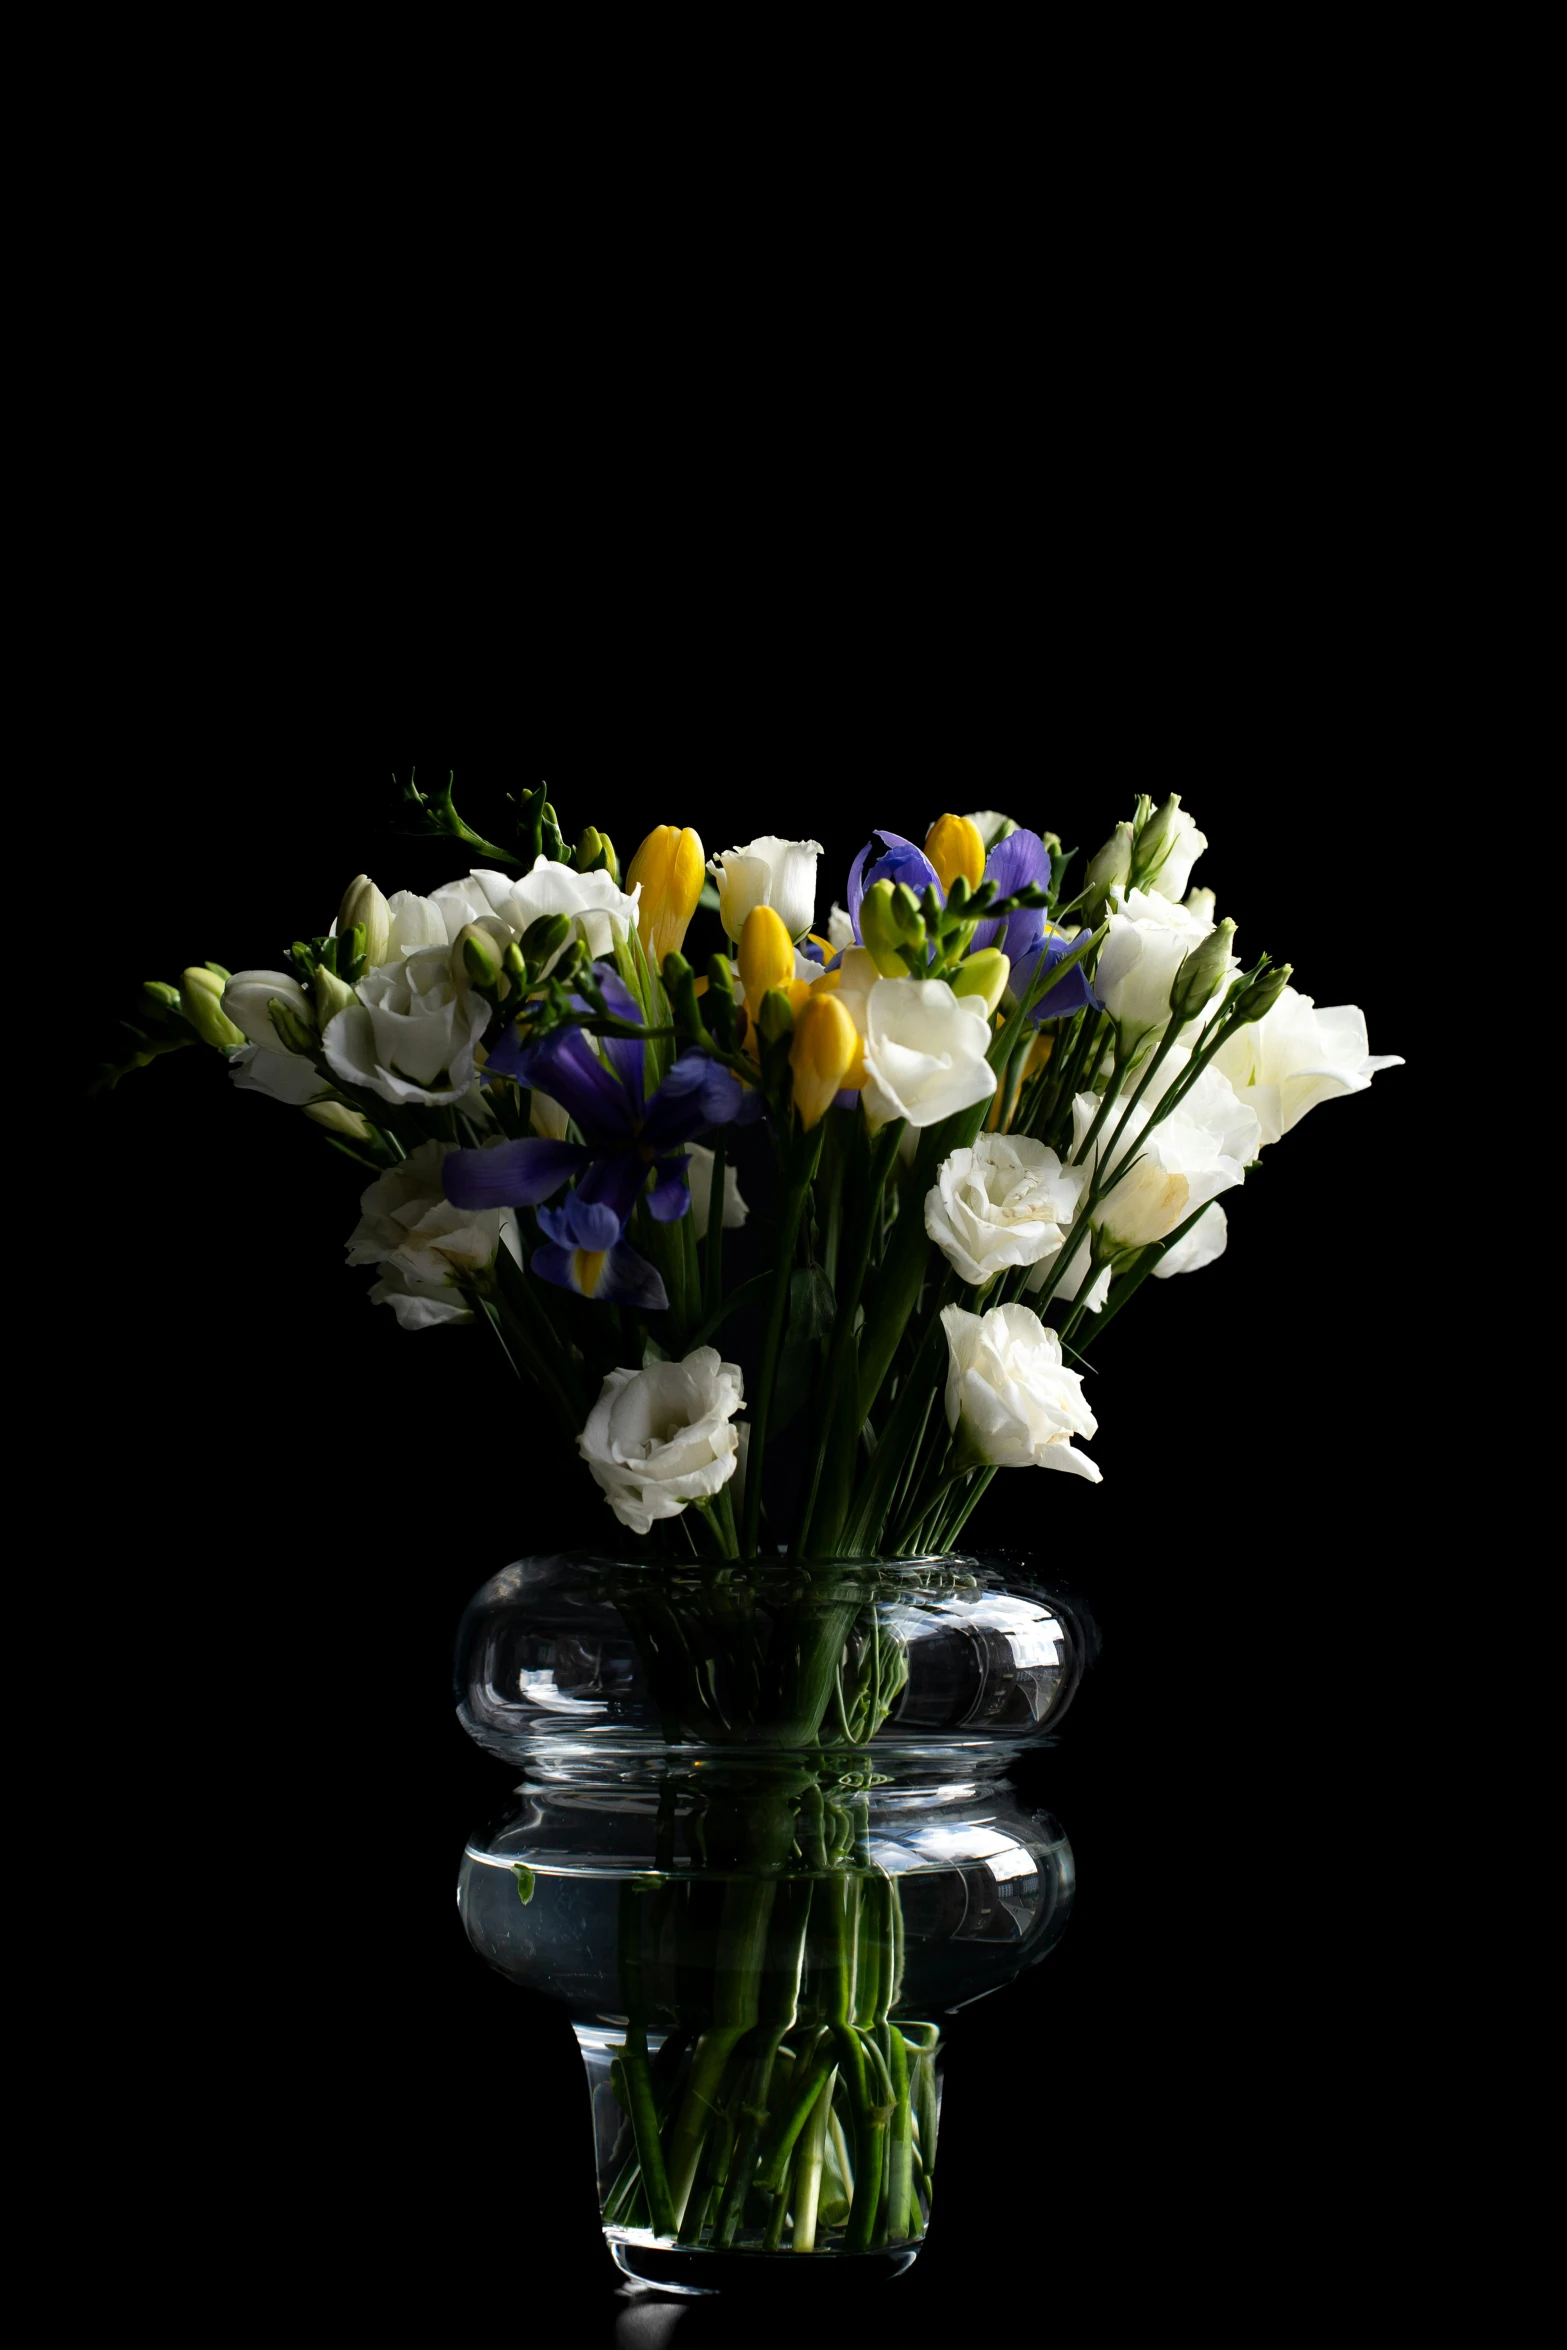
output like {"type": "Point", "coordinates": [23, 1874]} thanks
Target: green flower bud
{"type": "Point", "coordinates": [338, 1118]}
{"type": "Point", "coordinates": [544, 939]}
{"type": "Point", "coordinates": [513, 965]}
{"type": "Point", "coordinates": [1202, 974]}
{"type": "Point", "coordinates": [1109, 867]}
{"type": "Point", "coordinates": [201, 1001]}
{"type": "Point", "coordinates": [298, 1035]}
{"type": "Point", "coordinates": [363, 906]}
{"type": "Point", "coordinates": [1259, 998]}
{"type": "Point", "coordinates": [908, 919]}
{"type": "Point", "coordinates": [777, 1016]}
{"type": "Point", "coordinates": [1155, 841]}
{"type": "Point", "coordinates": [332, 994]}
{"type": "Point", "coordinates": [984, 974]}
{"type": "Point", "coordinates": [476, 959]}
{"type": "Point", "coordinates": [160, 999]}
{"type": "Point", "coordinates": [595, 849]}
{"type": "Point", "coordinates": [880, 930]}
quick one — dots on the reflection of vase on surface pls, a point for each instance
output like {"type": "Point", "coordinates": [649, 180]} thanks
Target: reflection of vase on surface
{"type": "Point", "coordinates": [764, 1849]}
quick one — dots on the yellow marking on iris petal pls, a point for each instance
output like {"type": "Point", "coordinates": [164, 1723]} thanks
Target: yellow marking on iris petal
{"type": "Point", "coordinates": [589, 1268]}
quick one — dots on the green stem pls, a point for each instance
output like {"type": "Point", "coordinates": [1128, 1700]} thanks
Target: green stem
{"type": "Point", "coordinates": [808, 2168]}
{"type": "Point", "coordinates": [836, 1433]}
{"type": "Point", "coordinates": [713, 1270]}
{"type": "Point", "coordinates": [772, 1340]}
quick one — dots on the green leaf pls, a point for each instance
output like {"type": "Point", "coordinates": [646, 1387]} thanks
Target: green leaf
{"type": "Point", "coordinates": [525, 1880]}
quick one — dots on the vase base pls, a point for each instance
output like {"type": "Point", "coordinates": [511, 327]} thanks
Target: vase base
{"type": "Point", "coordinates": [762, 2275]}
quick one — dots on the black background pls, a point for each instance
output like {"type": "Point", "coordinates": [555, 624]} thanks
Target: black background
{"type": "Point", "coordinates": [280, 1503]}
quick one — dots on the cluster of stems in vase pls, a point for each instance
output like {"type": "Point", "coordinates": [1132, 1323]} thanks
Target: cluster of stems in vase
{"type": "Point", "coordinates": [786, 2102]}
{"type": "Point", "coordinates": [993, 1108]}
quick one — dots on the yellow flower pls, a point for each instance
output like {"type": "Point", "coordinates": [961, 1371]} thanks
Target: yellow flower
{"type": "Point", "coordinates": [822, 1051]}
{"type": "Point", "coordinates": [954, 846]}
{"type": "Point", "coordinates": [669, 865]}
{"type": "Point", "coordinates": [766, 956]}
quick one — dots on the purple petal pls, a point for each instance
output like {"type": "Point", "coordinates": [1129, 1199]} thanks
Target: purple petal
{"type": "Point", "coordinates": [856, 888]}
{"type": "Point", "coordinates": [670, 1196]}
{"type": "Point", "coordinates": [614, 1182]}
{"type": "Point", "coordinates": [553, 1264]}
{"type": "Point", "coordinates": [1071, 994]}
{"type": "Point", "coordinates": [905, 862]}
{"type": "Point", "coordinates": [1016, 861]}
{"type": "Point", "coordinates": [581, 1223]}
{"type": "Point", "coordinates": [512, 1175]}
{"type": "Point", "coordinates": [565, 1066]}
{"type": "Point", "coordinates": [697, 1093]}
{"type": "Point", "coordinates": [626, 1054]}
{"type": "Point", "coordinates": [629, 1280]}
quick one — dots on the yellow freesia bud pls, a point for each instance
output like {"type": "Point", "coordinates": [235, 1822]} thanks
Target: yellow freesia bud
{"type": "Point", "coordinates": [984, 974]}
{"type": "Point", "coordinates": [822, 1051]}
{"type": "Point", "coordinates": [670, 867]}
{"type": "Point", "coordinates": [954, 846]}
{"type": "Point", "coordinates": [766, 956]}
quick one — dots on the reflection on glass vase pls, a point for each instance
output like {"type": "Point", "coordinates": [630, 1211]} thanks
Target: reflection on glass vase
{"type": "Point", "coordinates": [763, 1850]}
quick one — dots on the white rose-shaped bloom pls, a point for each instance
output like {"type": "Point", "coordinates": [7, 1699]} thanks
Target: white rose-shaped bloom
{"type": "Point", "coordinates": [600, 911]}
{"type": "Point", "coordinates": [987, 822]}
{"type": "Point", "coordinates": [1069, 1284]}
{"type": "Point", "coordinates": [414, 922]}
{"type": "Point", "coordinates": [659, 1438]}
{"type": "Point", "coordinates": [407, 1222]}
{"type": "Point", "coordinates": [699, 1175]}
{"type": "Point", "coordinates": [245, 1000]}
{"type": "Point", "coordinates": [1018, 1405]}
{"type": "Point", "coordinates": [1003, 1202]}
{"type": "Point", "coordinates": [769, 872]}
{"type": "Point", "coordinates": [1199, 1150]}
{"type": "Point", "coordinates": [410, 1036]}
{"type": "Point", "coordinates": [1150, 937]}
{"type": "Point", "coordinates": [1295, 1056]}
{"type": "Point", "coordinates": [1200, 904]}
{"type": "Point", "coordinates": [1206, 1241]}
{"type": "Point", "coordinates": [1186, 846]}
{"type": "Point", "coordinates": [287, 1077]}
{"type": "Point", "coordinates": [924, 1052]}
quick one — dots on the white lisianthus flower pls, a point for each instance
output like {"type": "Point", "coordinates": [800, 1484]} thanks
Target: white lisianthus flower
{"type": "Point", "coordinates": [408, 1224]}
{"type": "Point", "coordinates": [1200, 904]}
{"type": "Point", "coordinates": [419, 1305]}
{"type": "Point", "coordinates": [769, 872]}
{"type": "Point", "coordinates": [600, 910]}
{"type": "Point", "coordinates": [1202, 1148]}
{"type": "Point", "coordinates": [413, 922]}
{"type": "Point", "coordinates": [245, 1000]}
{"type": "Point", "coordinates": [411, 1033]}
{"type": "Point", "coordinates": [924, 1052]}
{"type": "Point", "coordinates": [1007, 1388]}
{"type": "Point", "coordinates": [287, 1077]}
{"type": "Point", "coordinates": [660, 1438]}
{"type": "Point", "coordinates": [1295, 1056]}
{"type": "Point", "coordinates": [840, 929]}
{"type": "Point", "coordinates": [1003, 1202]}
{"type": "Point", "coordinates": [1205, 1242]}
{"type": "Point", "coordinates": [699, 1175]}
{"type": "Point", "coordinates": [1150, 937]}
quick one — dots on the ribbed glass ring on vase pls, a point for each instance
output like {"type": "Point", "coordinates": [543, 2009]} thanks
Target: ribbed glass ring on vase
{"type": "Point", "coordinates": [763, 1849]}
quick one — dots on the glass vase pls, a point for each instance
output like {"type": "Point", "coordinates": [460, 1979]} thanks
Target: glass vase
{"type": "Point", "coordinates": [763, 1850]}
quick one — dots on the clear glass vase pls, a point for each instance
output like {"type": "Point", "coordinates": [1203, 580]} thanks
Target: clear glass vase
{"type": "Point", "coordinates": [763, 1850]}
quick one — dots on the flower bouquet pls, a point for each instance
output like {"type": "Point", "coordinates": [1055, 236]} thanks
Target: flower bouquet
{"type": "Point", "coordinates": [979, 1101]}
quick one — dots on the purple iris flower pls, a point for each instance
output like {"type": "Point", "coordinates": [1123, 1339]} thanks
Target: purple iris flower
{"type": "Point", "coordinates": [626, 1135]}
{"type": "Point", "coordinates": [899, 861]}
{"type": "Point", "coordinates": [1023, 937]}
{"type": "Point", "coordinates": [585, 1249]}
